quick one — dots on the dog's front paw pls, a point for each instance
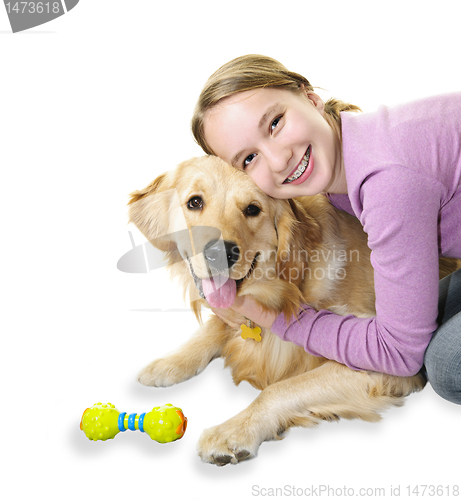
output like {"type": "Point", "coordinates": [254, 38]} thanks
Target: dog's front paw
{"type": "Point", "coordinates": [162, 373]}
{"type": "Point", "coordinates": [228, 443]}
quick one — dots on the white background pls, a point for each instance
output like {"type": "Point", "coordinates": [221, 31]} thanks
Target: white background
{"type": "Point", "coordinates": [95, 105]}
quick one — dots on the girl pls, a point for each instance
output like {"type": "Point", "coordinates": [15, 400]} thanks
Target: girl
{"type": "Point", "coordinates": [397, 170]}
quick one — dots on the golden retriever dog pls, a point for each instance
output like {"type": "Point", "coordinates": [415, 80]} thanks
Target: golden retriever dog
{"type": "Point", "coordinates": [224, 237]}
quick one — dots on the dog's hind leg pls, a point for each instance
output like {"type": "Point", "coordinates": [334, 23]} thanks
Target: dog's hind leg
{"type": "Point", "coordinates": [191, 359]}
{"type": "Point", "coordinates": [329, 392]}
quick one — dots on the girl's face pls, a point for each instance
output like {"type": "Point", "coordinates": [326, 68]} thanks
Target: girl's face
{"type": "Point", "coordinates": [281, 139]}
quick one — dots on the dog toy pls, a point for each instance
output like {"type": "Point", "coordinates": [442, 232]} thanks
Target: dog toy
{"type": "Point", "coordinates": [164, 424]}
{"type": "Point", "coordinates": [251, 333]}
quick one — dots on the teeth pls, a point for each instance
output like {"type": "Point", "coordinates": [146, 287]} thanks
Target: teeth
{"type": "Point", "coordinates": [302, 167]}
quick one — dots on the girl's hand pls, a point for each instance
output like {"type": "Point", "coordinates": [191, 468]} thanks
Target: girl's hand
{"type": "Point", "coordinates": [230, 317]}
{"type": "Point", "coordinates": [246, 307]}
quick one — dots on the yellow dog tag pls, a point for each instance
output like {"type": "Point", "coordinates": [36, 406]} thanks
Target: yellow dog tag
{"type": "Point", "coordinates": [250, 333]}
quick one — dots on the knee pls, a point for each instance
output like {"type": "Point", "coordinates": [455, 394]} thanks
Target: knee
{"type": "Point", "coordinates": [444, 371]}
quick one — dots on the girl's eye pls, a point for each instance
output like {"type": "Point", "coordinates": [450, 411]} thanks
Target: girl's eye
{"type": "Point", "coordinates": [275, 123]}
{"type": "Point", "coordinates": [248, 160]}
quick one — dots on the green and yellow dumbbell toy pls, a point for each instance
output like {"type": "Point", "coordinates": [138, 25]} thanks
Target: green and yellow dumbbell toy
{"type": "Point", "coordinates": [164, 424]}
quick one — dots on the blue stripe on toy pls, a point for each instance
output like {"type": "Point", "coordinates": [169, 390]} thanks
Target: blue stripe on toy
{"type": "Point", "coordinates": [131, 422]}
{"type": "Point", "coordinates": [141, 422]}
{"type": "Point", "coordinates": [121, 422]}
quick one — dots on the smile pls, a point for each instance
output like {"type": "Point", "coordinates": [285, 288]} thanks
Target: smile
{"type": "Point", "coordinates": [300, 169]}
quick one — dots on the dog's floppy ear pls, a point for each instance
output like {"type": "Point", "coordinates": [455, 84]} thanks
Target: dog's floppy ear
{"type": "Point", "coordinates": [149, 210]}
{"type": "Point", "coordinates": [298, 233]}
{"type": "Point", "coordinates": [152, 188]}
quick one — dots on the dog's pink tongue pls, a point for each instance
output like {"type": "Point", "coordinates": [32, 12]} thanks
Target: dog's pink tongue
{"type": "Point", "coordinates": [219, 291]}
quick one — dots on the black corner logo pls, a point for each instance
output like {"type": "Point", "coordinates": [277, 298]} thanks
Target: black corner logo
{"type": "Point", "coordinates": [31, 13]}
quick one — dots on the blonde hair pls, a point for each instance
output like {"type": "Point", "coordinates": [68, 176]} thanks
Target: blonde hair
{"type": "Point", "coordinates": [251, 72]}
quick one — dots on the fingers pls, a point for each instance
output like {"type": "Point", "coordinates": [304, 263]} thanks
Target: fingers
{"type": "Point", "coordinates": [249, 308]}
{"type": "Point", "coordinates": [246, 308]}
{"type": "Point", "coordinates": [229, 317]}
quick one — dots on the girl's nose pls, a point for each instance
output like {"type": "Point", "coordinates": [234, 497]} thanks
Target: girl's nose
{"type": "Point", "coordinates": [278, 159]}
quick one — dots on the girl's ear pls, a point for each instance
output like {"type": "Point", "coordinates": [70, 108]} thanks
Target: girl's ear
{"type": "Point", "coordinates": [315, 100]}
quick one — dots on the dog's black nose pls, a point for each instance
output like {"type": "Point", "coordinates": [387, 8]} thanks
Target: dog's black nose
{"type": "Point", "coordinates": [221, 255]}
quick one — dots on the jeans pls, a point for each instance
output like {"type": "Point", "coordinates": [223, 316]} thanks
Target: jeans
{"type": "Point", "coordinates": [443, 355]}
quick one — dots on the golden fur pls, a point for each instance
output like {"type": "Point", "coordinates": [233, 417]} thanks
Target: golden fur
{"type": "Point", "coordinates": [298, 242]}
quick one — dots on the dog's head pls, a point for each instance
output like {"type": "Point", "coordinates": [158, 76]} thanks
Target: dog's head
{"type": "Point", "coordinates": [226, 234]}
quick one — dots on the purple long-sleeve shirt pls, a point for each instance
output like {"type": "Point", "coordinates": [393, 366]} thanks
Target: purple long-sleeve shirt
{"type": "Point", "coordinates": [403, 170]}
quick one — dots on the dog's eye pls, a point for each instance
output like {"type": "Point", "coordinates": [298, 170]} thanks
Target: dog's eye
{"type": "Point", "coordinates": [252, 210]}
{"type": "Point", "coordinates": [195, 203]}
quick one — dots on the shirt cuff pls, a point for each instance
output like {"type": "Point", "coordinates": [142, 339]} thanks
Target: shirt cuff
{"type": "Point", "coordinates": [281, 326]}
